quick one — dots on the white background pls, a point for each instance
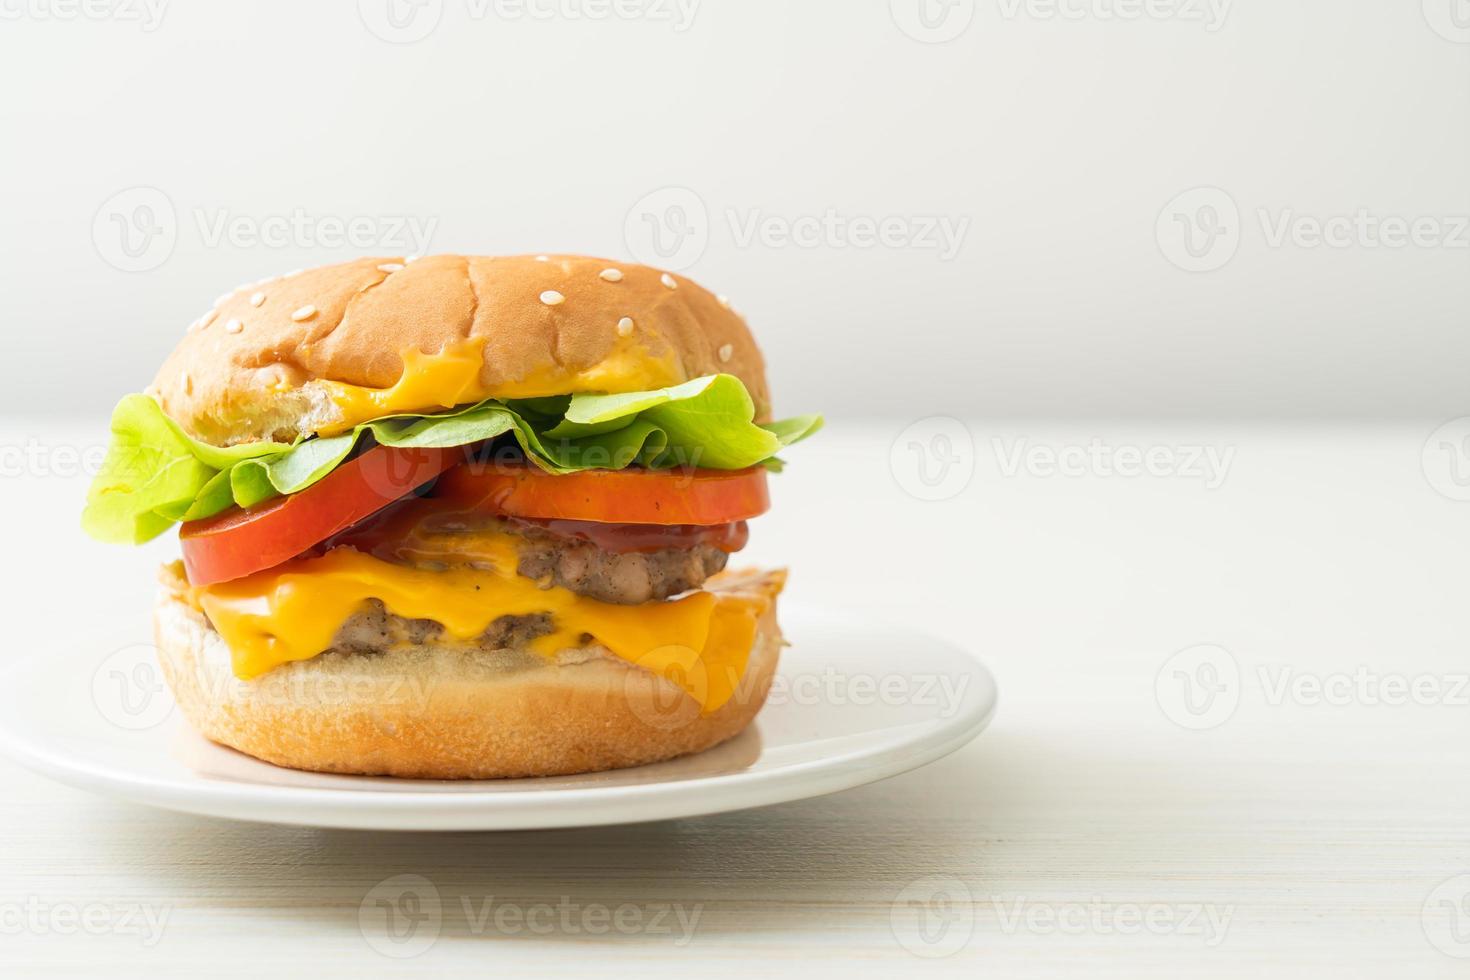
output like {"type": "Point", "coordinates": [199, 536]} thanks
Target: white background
{"type": "Point", "coordinates": [1054, 135]}
{"type": "Point", "coordinates": [1323, 540]}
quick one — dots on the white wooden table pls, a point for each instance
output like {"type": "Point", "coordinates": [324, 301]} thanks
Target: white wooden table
{"type": "Point", "coordinates": [1086, 833]}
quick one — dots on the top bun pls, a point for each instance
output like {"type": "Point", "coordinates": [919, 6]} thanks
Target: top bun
{"type": "Point", "coordinates": [262, 363]}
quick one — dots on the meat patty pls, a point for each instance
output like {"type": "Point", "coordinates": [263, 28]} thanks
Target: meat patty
{"type": "Point", "coordinates": [631, 569]}
{"type": "Point", "coordinates": [375, 629]}
{"type": "Point", "coordinates": [626, 578]}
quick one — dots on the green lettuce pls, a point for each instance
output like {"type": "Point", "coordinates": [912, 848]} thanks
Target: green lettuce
{"type": "Point", "coordinates": [155, 474]}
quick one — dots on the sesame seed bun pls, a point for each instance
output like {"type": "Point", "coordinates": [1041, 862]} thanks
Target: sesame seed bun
{"type": "Point", "coordinates": [430, 712]}
{"type": "Point", "coordinates": [254, 367]}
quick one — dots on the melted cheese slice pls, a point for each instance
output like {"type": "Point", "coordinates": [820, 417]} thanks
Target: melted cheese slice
{"type": "Point", "coordinates": [700, 642]}
{"type": "Point", "coordinates": [434, 382]}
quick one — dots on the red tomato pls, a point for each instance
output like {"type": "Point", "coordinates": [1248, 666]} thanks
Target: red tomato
{"type": "Point", "coordinates": [237, 542]}
{"type": "Point", "coordinates": [631, 496]}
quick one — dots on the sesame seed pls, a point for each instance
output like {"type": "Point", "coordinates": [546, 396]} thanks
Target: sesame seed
{"type": "Point", "coordinates": [220, 299]}
{"type": "Point", "coordinates": [305, 313]}
{"type": "Point", "coordinates": [257, 298]}
{"type": "Point", "coordinates": [410, 258]}
{"type": "Point", "coordinates": [234, 326]}
{"type": "Point", "coordinates": [726, 352]}
{"type": "Point", "coordinates": [391, 267]}
{"type": "Point", "coordinates": [543, 258]}
{"type": "Point", "coordinates": [724, 300]}
{"type": "Point", "coordinates": [625, 326]}
{"type": "Point", "coordinates": [552, 298]}
{"type": "Point", "coordinates": [668, 280]}
{"type": "Point", "coordinates": [611, 275]}
{"type": "Point", "coordinates": [207, 319]}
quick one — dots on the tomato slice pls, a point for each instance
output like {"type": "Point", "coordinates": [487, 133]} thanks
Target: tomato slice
{"type": "Point", "coordinates": [631, 496]}
{"type": "Point", "coordinates": [237, 542]}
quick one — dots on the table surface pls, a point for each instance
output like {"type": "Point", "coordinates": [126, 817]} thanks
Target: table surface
{"type": "Point", "coordinates": [1114, 820]}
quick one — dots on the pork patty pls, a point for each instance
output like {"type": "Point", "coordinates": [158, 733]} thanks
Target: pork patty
{"type": "Point", "coordinates": [374, 629]}
{"type": "Point", "coordinates": [628, 578]}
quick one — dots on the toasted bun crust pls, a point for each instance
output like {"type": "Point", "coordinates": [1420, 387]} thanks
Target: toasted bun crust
{"type": "Point", "coordinates": [435, 713]}
{"type": "Point", "coordinates": [250, 368]}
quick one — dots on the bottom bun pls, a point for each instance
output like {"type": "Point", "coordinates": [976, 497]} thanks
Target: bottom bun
{"type": "Point", "coordinates": [433, 712]}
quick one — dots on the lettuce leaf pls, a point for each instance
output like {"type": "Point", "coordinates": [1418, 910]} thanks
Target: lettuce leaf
{"type": "Point", "coordinates": [155, 474]}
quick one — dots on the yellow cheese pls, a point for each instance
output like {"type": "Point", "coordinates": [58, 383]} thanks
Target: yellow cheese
{"type": "Point", "coordinates": [433, 382]}
{"type": "Point", "coordinates": [700, 641]}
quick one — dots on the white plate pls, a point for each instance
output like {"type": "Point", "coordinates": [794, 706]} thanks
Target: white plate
{"type": "Point", "coordinates": [852, 704]}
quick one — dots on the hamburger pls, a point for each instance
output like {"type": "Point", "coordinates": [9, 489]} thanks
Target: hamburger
{"type": "Point", "coordinates": [457, 517]}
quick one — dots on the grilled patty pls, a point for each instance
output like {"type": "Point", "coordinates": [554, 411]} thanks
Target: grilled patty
{"type": "Point", "coordinates": [551, 554]}
{"type": "Point", "coordinates": [375, 629]}
{"type": "Point", "coordinates": [628, 578]}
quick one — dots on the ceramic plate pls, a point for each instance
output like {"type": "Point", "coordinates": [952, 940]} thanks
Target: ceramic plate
{"type": "Point", "coordinates": [852, 703]}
